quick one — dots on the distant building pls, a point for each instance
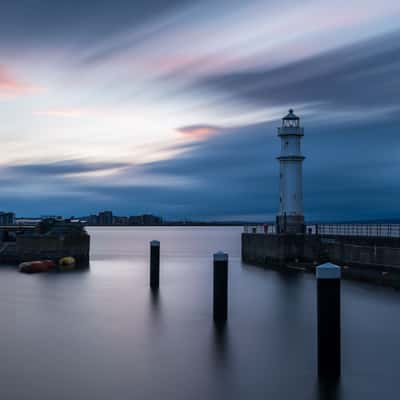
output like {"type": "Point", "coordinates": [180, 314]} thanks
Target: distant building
{"type": "Point", "coordinates": [92, 219]}
{"type": "Point", "coordinates": [28, 221]}
{"type": "Point", "coordinates": [136, 220]}
{"type": "Point", "coordinates": [121, 220]}
{"type": "Point", "coordinates": [51, 216]}
{"type": "Point", "coordinates": [145, 219]}
{"type": "Point", "coordinates": [105, 218]}
{"type": "Point", "coordinates": [149, 219]}
{"type": "Point", "coordinates": [7, 218]}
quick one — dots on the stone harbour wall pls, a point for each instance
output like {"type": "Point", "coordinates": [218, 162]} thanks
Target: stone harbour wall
{"type": "Point", "coordinates": [30, 248]}
{"type": "Point", "coordinates": [373, 259]}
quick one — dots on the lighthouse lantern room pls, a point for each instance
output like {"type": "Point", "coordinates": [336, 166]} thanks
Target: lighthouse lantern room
{"type": "Point", "coordinates": [290, 218]}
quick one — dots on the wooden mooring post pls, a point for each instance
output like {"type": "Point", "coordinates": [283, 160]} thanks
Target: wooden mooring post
{"type": "Point", "coordinates": [154, 264]}
{"type": "Point", "coordinates": [328, 313]}
{"type": "Point", "coordinates": [220, 287]}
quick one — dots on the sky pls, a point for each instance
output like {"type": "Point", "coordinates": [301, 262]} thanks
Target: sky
{"type": "Point", "coordinates": [171, 107]}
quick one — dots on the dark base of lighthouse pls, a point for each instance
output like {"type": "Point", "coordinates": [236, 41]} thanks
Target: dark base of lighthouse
{"type": "Point", "coordinates": [292, 224]}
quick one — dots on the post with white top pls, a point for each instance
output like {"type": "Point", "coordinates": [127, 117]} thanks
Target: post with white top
{"type": "Point", "coordinates": [220, 287]}
{"type": "Point", "coordinates": [154, 264]}
{"type": "Point", "coordinates": [328, 310]}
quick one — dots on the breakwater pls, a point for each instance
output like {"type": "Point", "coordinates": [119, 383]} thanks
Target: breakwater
{"type": "Point", "coordinates": [369, 258]}
{"type": "Point", "coordinates": [50, 240]}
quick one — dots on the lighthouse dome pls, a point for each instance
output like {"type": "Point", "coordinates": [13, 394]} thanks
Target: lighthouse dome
{"type": "Point", "coordinates": [291, 115]}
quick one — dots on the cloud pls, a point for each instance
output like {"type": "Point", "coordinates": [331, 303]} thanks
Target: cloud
{"type": "Point", "coordinates": [228, 175]}
{"type": "Point", "coordinates": [358, 76]}
{"type": "Point", "coordinates": [232, 173]}
{"type": "Point", "coordinates": [10, 86]}
{"type": "Point", "coordinates": [75, 22]}
{"type": "Point", "coordinates": [62, 168]}
{"type": "Point", "coordinates": [155, 66]}
{"type": "Point", "coordinates": [199, 131]}
{"type": "Point", "coordinates": [236, 173]}
{"type": "Point", "coordinates": [61, 112]}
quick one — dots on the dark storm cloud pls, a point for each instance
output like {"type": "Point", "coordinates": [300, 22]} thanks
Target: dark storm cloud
{"type": "Point", "coordinates": [64, 167]}
{"type": "Point", "coordinates": [351, 172]}
{"type": "Point", "coordinates": [226, 181]}
{"type": "Point", "coordinates": [361, 76]}
{"type": "Point", "coordinates": [352, 165]}
{"type": "Point", "coordinates": [42, 21]}
{"type": "Point", "coordinates": [226, 154]}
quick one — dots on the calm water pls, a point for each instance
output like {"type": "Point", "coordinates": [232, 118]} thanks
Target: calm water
{"type": "Point", "coordinates": [101, 335]}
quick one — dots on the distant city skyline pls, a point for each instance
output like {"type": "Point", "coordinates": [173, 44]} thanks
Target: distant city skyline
{"type": "Point", "coordinates": [171, 108]}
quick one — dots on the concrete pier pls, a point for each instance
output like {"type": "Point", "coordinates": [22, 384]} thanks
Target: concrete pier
{"type": "Point", "coordinates": [371, 259]}
{"type": "Point", "coordinates": [278, 250]}
{"type": "Point", "coordinates": [51, 239]}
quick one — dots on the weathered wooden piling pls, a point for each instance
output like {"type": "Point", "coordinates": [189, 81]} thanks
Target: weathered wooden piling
{"type": "Point", "coordinates": [220, 287]}
{"type": "Point", "coordinates": [154, 264]}
{"type": "Point", "coordinates": [328, 311]}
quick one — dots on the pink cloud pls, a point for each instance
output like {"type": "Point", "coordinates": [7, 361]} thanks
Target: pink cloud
{"type": "Point", "coordinates": [62, 112]}
{"type": "Point", "coordinates": [10, 86]}
{"type": "Point", "coordinates": [187, 65]}
{"type": "Point", "coordinates": [199, 131]}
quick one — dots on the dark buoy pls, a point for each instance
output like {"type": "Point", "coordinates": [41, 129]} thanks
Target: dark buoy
{"type": "Point", "coordinates": [328, 310]}
{"type": "Point", "coordinates": [154, 264]}
{"type": "Point", "coordinates": [220, 287]}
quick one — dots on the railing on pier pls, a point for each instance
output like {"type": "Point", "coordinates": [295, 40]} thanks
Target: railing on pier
{"type": "Point", "coordinates": [268, 229]}
{"type": "Point", "coordinates": [370, 230]}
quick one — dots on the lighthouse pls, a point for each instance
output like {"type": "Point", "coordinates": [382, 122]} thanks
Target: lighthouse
{"type": "Point", "coordinates": [290, 218]}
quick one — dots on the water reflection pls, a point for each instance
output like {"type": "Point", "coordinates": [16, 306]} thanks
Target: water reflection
{"type": "Point", "coordinates": [220, 342]}
{"type": "Point", "coordinates": [105, 335]}
{"type": "Point", "coordinates": [329, 389]}
{"type": "Point", "coordinates": [155, 302]}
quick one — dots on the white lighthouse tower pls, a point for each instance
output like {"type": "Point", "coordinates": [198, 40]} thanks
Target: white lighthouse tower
{"type": "Point", "coordinates": [290, 218]}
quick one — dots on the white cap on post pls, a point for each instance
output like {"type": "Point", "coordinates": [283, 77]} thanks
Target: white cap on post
{"type": "Point", "coordinates": [328, 271]}
{"type": "Point", "coordinates": [155, 243]}
{"type": "Point", "coordinates": [220, 256]}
